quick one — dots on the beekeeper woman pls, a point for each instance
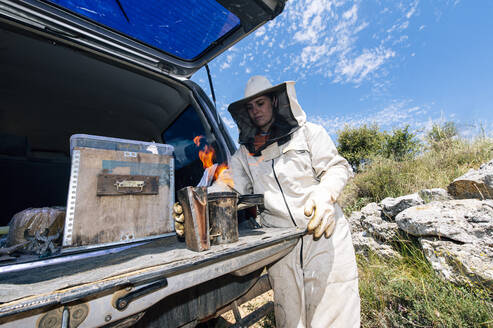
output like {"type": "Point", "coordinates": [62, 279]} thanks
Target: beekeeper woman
{"type": "Point", "coordinates": [295, 164]}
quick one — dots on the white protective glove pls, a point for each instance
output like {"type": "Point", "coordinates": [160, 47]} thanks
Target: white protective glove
{"type": "Point", "coordinates": [179, 219]}
{"type": "Point", "coordinates": [320, 207]}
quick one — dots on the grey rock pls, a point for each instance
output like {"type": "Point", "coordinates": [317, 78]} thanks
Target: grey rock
{"type": "Point", "coordinates": [355, 222]}
{"type": "Point", "coordinates": [393, 206]}
{"type": "Point", "coordinates": [364, 244]}
{"type": "Point", "coordinates": [466, 220]}
{"type": "Point", "coordinates": [434, 194]}
{"type": "Point", "coordinates": [460, 263]}
{"type": "Point", "coordinates": [369, 219]}
{"type": "Point", "coordinates": [371, 209]}
{"type": "Point", "coordinates": [474, 184]}
{"type": "Point", "coordinates": [380, 229]}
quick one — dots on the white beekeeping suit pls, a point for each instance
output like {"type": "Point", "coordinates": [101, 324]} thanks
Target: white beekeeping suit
{"type": "Point", "coordinates": [316, 284]}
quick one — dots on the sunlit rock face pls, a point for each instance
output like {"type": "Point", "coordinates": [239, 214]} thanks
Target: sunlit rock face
{"type": "Point", "coordinates": [455, 234]}
{"type": "Point", "coordinates": [474, 184]}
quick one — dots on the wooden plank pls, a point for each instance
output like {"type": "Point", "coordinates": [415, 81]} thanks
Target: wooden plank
{"type": "Point", "coordinates": [100, 220]}
{"type": "Point", "coordinates": [119, 185]}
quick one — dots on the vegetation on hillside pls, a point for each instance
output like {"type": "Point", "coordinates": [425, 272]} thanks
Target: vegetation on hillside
{"type": "Point", "coordinates": [432, 164]}
{"type": "Point", "coordinates": [406, 292]}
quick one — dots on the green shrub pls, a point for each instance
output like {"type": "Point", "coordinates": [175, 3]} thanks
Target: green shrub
{"type": "Point", "coordinates": [400, 145]}
{"type": "Point", "coordinates": [442, 136]}
{"type": "Point", "coordinates": [358, 145]}
{"type": "Point", "coordinates": [439, 133]}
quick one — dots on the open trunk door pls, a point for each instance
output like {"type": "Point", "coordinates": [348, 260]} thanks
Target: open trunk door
{"type": "Point", "coordinates": [174, 37]}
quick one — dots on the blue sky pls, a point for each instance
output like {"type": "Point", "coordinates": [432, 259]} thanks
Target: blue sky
{"type": "Point", "coordinates": [392, 63]}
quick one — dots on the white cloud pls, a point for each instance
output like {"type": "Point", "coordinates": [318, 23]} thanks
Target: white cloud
{"type": "Point", "coordinates": [227, 63]}
{"type": "Point", "coordinates": [398, 113]}
{"type": "Point", "coordinates": [356, 69]}
{"type": "Point", "coordinates": [336, 39]}
{"type": "Point", "coordinates": [311, 54]}
{"type": "Point", "coordinates": [412, 10]}
{"type": "Point", "coordinates": [230, 123]}
{"type": "Point", "coordinates": [260, 32]}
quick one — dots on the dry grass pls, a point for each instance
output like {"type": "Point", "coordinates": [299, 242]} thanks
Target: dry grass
{"type": "Point", "coordinates": [407, 293]}
{"type": "Point", "coordinates": [434, 168]}
{"type": "Point", "coordinates": [247, 308]}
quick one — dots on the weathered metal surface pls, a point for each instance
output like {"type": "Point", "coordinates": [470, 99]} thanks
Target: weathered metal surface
{"type": "Point", "coordinates": [258, 264]}
{"type": "Point", "coordinates": [194, 203]}
{"type": "Point", "coordinates": [198, 302]}
{"type": "Point", "coordinates": [223, 219]}
{"type": "Point", "coordinates": [123, 301]}
{"type": "Point", "coordinates": [120, 184]}
{"type": "Point", "coordinates": [125, 323]}
{"type": "Point", "coordinates": [250, 200]}
{"type": "Point", "coordinates": [183, 269]}
{"type": "Point", "coordinates": [53, 319]}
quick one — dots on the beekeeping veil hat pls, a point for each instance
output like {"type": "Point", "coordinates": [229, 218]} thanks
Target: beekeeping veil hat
{"type": "Point", "coordinates": [288, 114]}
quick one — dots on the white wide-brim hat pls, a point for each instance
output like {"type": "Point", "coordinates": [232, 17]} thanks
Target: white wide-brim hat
{"type": "Point", "coordinates": [287, 106]}
{"type": "Point", "coordinates": [256, 86]}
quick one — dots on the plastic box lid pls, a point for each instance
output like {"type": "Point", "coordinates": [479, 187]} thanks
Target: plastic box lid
{"type": "Point", "coordinates": [99, 142]}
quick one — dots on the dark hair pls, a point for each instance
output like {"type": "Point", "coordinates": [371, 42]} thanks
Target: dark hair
{"type": "Point", "coordinates": [273, 96]}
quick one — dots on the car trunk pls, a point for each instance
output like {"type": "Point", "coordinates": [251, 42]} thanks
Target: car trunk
{"type": "Point", "coordinates": [49, 92]}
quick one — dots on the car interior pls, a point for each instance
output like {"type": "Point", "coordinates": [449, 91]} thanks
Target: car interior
{"type": "Point", "coordinates": [50, 91]}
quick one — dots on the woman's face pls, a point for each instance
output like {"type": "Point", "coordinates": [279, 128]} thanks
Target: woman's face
{"type": "Point", "coordinates": [260, 112]}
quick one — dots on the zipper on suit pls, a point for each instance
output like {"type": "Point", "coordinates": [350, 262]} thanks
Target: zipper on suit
{"type": "Point", "coordinates": [289, 211]}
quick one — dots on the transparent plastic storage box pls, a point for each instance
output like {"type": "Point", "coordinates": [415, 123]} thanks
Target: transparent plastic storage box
{"type": "Point", "coordinates": [120, 191]}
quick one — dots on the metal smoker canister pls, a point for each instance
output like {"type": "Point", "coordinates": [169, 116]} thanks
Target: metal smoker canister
{"type": "Point", "coordinates": [223, 219]}
{"type": "Point", "coordinates": [194, 203]}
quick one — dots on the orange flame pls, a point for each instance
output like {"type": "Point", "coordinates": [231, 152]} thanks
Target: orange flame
{"type": "Point", "coordinates": [197, 139]}
{"type": "Point", "coordinates": [222, 175]}
{"type": "Point", "coordinates": [207, 156]}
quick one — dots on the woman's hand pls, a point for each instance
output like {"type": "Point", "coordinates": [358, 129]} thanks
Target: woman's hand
{"type": "Point", "coordinates": [179, 219]}
{"type": "Point", "coordinates": [322, 212]}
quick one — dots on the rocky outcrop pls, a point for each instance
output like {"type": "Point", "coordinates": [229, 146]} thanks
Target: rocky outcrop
{"type": "Point", "coordinates": [364, 243]}
{"type": "Point", "coordinates": [380, 229]}
{"type": "Point", "coordinates": [460, 263]}
{"type": "Point", "coordinates": [373, 223]}
{"type": "Point", "coordinates": [464, 221]}
{"type": "Point", "coordinates": [456, 235]}
{"type": "Point", "coordinates": [370, 233]}
{"type": "Point", "coordinates": [393, 206]}
{"type": "Point", "coordinates": [435, 194]}
{"type": "Point", "coordinates": [474, 184]}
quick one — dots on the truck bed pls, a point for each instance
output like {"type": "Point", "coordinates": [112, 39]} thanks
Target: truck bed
{"type": "Point", "coordinates": [165, 258]}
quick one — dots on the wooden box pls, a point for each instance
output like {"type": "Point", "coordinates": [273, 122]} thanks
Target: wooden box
{"type": "Point", "coordinates": [120, 191]}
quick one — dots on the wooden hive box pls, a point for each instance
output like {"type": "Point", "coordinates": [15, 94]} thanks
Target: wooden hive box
{"type": "Point", "coordinates": [120, 191]}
